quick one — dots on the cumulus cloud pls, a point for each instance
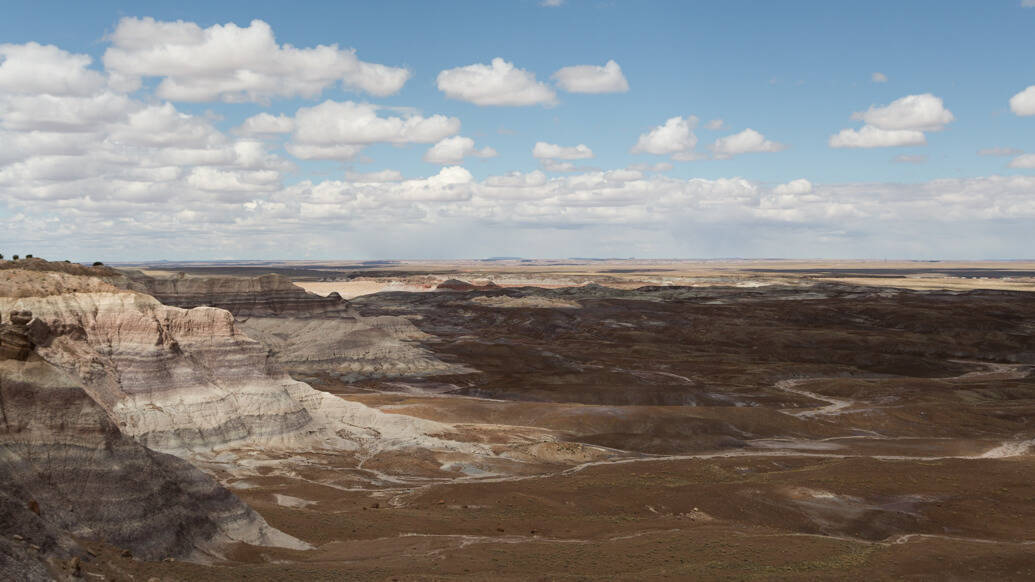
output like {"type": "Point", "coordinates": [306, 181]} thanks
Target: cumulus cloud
{"type": "Point", "coordinates": [544, 150]}
{"type": "Point", "coordinates": [1026, 161]}
{"type": "Point", "coordinates": [675, 136]}
{"type": "Point", "coordinates": [498, 84]}
{"type": "Point", "coordinates": [34, 69]}
{"type": "Point", "coordinates": [338, 130]}
{"type": "Point", "coordinates": [913, 112]}
{"type": "Point", "coordinates": [453, 150]}
{"type": "Point", "coordinates": [872, 137]}
{"type": "Point", "coordinates": [592, 79]}
{"type": "Point", "coordinates": [266, 124]}
{"type": "Point", "coordinates": [1023, 103]}
{"type": "Point", "coordinates": [747, 141]}
{"type": "Point", "coordinates": [879, 78]}
{"type": "Point", "coordinates": [794, 187]}
{"type": "Point", "coordinates": [379, 176]}
{"type": "Point", "coordinates": [230, 63]}
{"type": "Point", "coordinates": [90, 166]}
{"type": "Point", "coordinates": [900, 123]}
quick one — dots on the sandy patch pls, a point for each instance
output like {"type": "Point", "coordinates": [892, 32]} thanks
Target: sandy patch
{"type": "Point", "coordinates": [289, 501]}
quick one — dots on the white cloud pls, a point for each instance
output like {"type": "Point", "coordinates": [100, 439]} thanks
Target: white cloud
{"type": "Point", "coordinates": [871, 137]}
{"type": "Point", "coordinates": [675, 136]}
{"type": "Point", "coordinates": [900, 123]}
{"type": "Point", "coordinates": [556, 3]}
{"type": "Point", "coordinates": [63, 113]}
{"type": "Point", "coordinates": [85, 165]}
{"type": "Point", "coordinates": [453, 150]}
{"type": "Point", "coordinates": [592, 79]}
{"type": "Point", "coordinates": [1023, 103]}
{"type": "Point", "coordinates": [879, 78]}
{"type": "Point", "coordinates": [343, 152]}
{"type": "Point", "coordinates": [266, 124]}
{"type": "Point", "coordinates": [997, 151]}
{"type": "Point", "coordinates": [231, 63]}
{"type": "Point", "coordinates": [794, 187]}
{"type": "Point", "coordinates": [747, 141]}
{"type": "Point", "coordinates": [1028, 3]}
{"type": "Point", "coordinates": [379, 176]}
{"type": "Point", "coordinates": [1026, 161]}
{"type": "Point", "coordinates": [715, 125]}
{"type": "Point", "coordinates": [499, 83]}
{"type": "Point", "coordinates": [34, 69]}
{"type": "Point", "coordinates": [912, 112]}
{"type": "Point", "coordinates": [338, 130]}
{"type": "Point", "coordinates": [544, 150]}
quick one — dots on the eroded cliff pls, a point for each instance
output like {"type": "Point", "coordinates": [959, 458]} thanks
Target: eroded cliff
{"type": "Point", "coordinates": [306, 332]}
{"type": "Point", "coordinates": [69, 474]}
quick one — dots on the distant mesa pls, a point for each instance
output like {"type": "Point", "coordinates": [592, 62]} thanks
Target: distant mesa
{"type": "Point", "coordinates": [458, 285]}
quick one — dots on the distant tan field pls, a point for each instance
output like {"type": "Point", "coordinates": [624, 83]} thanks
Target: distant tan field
{"type": "Point", "coordinates": [355, 280]}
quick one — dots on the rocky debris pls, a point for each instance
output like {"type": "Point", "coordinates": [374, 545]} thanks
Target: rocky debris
{"type": "Point", "coordinates": [15, 343]}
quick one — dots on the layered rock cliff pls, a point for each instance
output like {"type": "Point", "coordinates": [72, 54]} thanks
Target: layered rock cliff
{"type": "Point", "coordinates": [307, 333]}
{"type": "Point", "coordinates": [187, 381]}
{"type": "Point", "coordinates": [69, 473]}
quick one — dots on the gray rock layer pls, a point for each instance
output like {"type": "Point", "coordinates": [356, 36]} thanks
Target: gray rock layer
{"type": "Point", "coordinates": [70, 473]}
{"type": "Point", "coordinates": [306, 333]}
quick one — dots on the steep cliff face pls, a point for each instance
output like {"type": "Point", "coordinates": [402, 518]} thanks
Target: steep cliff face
{"type": "Point", "coordinates": [70, 473]}
{"type": "Point", "coordinates": [263, 296]}
{"type": "Point", "coordinates": [188, 382]}
{"type": "Point", "coordinates": [307, 333]}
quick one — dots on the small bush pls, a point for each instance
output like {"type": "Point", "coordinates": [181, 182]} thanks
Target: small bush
{"type": "Point", "coordinates": [14, 258]}
{"type": "Point", "coordinates": [98, 264]}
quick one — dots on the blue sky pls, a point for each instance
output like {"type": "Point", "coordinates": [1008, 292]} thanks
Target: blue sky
{"type": "Point", "coordinates": [794, 72]}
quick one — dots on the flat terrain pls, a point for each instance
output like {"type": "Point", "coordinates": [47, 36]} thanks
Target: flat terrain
{"type": "Point", "coordinates": [748, 420]}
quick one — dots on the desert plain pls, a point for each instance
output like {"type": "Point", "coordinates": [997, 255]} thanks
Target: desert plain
{"type": "Point", "coordinates": [515, 419]}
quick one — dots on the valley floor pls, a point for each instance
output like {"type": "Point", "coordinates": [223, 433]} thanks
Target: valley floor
{"type": "Point", "coordinates": [796, 430]}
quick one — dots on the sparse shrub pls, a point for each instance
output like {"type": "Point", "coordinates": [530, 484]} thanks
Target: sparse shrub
{"type": "Point", "coordinates": [1, 256]}
{"type": "Point", "coordinates": [28, 256]}
{"type": "Point", "coordinates": [98, 264]}
{"type": "Point", "coordinates": [14, 258]}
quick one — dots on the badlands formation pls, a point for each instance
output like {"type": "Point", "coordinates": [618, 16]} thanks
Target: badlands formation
{"type": "Point", "coordinates": [517, 420]}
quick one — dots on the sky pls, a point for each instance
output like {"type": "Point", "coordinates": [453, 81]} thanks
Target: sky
{"type": "Point", "coordinates": [134, 131]}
